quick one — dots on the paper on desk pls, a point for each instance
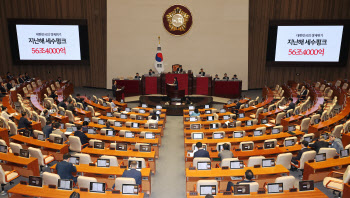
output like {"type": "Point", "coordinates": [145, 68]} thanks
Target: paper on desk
{"type": "Point", "coordinates": [282, 107]}
{"type": "Point", "coordinates": [68, 133]}
{"type": "Point", "coordinates": [269, 125]}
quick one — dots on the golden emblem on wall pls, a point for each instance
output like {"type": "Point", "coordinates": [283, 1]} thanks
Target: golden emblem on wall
{"type": "Point", "coordinates": [177, 20]}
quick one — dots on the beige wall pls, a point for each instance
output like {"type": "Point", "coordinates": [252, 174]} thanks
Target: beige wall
{"type": "Point", "coordinates": [217, 41]}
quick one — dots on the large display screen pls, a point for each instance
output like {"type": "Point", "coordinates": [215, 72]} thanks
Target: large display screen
{"type": "Point", "coordinates": [294, 44]}
{"type": "Point", "coordinates": [49, 41]}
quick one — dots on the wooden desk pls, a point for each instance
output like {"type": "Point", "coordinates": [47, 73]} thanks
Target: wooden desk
{"type": "Point", "coordinates": [123, 155]}
{"type": "Point", "coordinates": [31, 191]}
{"type": "Point", "coordinates": [229, 106]}
{"type": "Point", "coordinates": [161, 116]}
{"type": "Point", "coordinates": [82, 113]}
{"type": "Point", "coordinates": [163, 111]}
{"type": "Point", "coordinates": [204, 116]}
{"type": "Point", "coordinates": [345, 139]}
{"type": "Point", "coordinates": [102, 174]}
{"type": "Point", "coordinates": [262, 175]}
{"type": "Point", "coordinates": [268, 100]}
{"type": "Point", "coordinates": [206, 123]}
{"type": "Point", "coordinates": [5, 136]}
{"type": "Point", "coordinates": [100, 108]}
{"type": "Point", "coordinates": [317, 171]}
{"type": "Point", "coordinates": [143, 122]}
{"type": "Point", "coordinates": [24, 166]}
{"type": "Point", "coordinates": [117, 103]}
{"type": "Point", "coordinates": [57, 150]}
{"type": "Point", "coordinates": [311, 194]}
{"type": "Point", "coordinates": [201, 111]}
{"type": "Point", "coordinates": [230, 131]}
{"type": "Point", "coordinates": [158, 132]}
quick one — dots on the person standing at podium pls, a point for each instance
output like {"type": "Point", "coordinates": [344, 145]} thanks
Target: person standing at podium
{"type": "Point", "coordinates": [114, 89]}
{"type": "Point", "coordinates": [176, 83]}
{"type": "Point", "coordinates": [202, 72]}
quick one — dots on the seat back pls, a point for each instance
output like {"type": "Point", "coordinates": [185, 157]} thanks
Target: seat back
{"type": "Point", "coordinates": [290, 138]}
{"type": "Point", "coordinates": [284, 159]}
{"type": "Point", "coordinates": [90, 108]}
{"type": "Point", "coordinates": [74, 143]}
{"type": "Point", "coordinates": [279, 117]}
{"type": "Point", "coordinates": [200, 159]}
{"type": "Point", "coordinates": [57, 84]}
{"type": "Point", "coordinates": [240, 145]}
{"type": "Point", "coordinates": [306, 156]}
{"type": "Point", "coordinates": [288, 181]}
{"type": "Point", "coordinates": [271, 140]}
{"type": "Point", "coordinates": [13, 128]}
{"type": "Point", "coordinates": [36, 153]}
{"type": "Point", "coordinates": [123, 180]}
{"type": "Point", "coordinates": [263, 129]}
{"type": "Point", "coordinates": [304, 126]}
{"type": "Point", "coordinates": [307, 135]}
{"type": "Point", "coordinates": [83, 158]}
{"type": "Point", "coordinates": [84, 182]}
{"type": "Point", "coordinates": [15, 147]}
{"type": "Point", "coordinates": [42, 121]}
{"type": "Point", "coordinates": [70, 116]}
{"type": "Point", "coordinates": [143, 162]}
{"type": "Point", "coordinates": [255, 160]}
{"type": "Point", "coordinates": [2, 142]}
{"type": "Point", "coordinates": [254, 186]}
{"type": "Point", "coordinates": [113, 161]}
{"type": "Point", "coordinates": [53, 135]}
{"type": "Point", "coordinates": [345, 86]}
{"type": "Point", "coordinates": [53, 87]}
{"type": "Point", "coordinates": [313, 118]}
{"type": "Point", "coordinates": [330, 152]}
{"type": "Point", "coordinates": [346, 176]}
{"type": "Point", "coordinates": [206, 182]}
{"type": "Point", "coordinates": [337, 131]}
{"type": "Point", "coordinates": [50, 178]}
{"type": "Point", "coordinates": [227, 161]}
{"type": "Point", "coordinates": [92, 142]}
{"type": "Point", "coordinates": [2, 176]}
{"type": "Point", "coordinates": [324, 116]}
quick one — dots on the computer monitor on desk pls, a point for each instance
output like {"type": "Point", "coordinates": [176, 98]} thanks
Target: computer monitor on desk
{"type": "Point", "coordinates": [91, 131]}
{"type": "Point", "coordinates": [241, 189]}
{"type": "Point", "coordinates": [222, 110]}
{"type": "Point", "coordinates": [142, 111]}
{"type": "Point", "coordinates": [35, 181]}
{"type": "Point", "coordinates": [214, 126]}
{"type": "Point", "coordinates": [197, 136]}
{"type": "Point", "coordinates": [127, 109]}
{"type": "Point", "coordinates": [102, 122]}
{"type": "Point", "coordinates": [247, 147]}
{"type": "Point", "coordinates": [24, 153]}
{"type": "Point", "coordinates": [135, 125]}
{"type": "Point", "coordinates": [275, 131]}
{"type": "Point", "coordinates": [241, 115]}
{"type": "Point", "coordinates": [306, 185]}
{"type": "Point", "coordinates": [65, 184]}
{"type": "Point", "coordinates": [129, 134]}
{"type": "Point", "coordinates": [144, 106]}
{"type": "Point", "coordinates": [145, 148]}
{"type": "Point", "coordinates": [238, 134]}
{"type": "Point", "coordinates": [236, 164]}
{"type": "Point", "coordinates": [258, 133]}
{"type": "Point", "coordinates": [226, 117]}
{"type": "Point", "coordinates": [190, 107]}
{"type": "Point", "coordinates": [99, 145]}
{"type": "Point", "coordinates": [275, 188]}
{"type": "Point", "coordinates": [103, 163]}
{"type": "Point", "coordinates": [123, 116]}
{"type": "Point", "coordinates": [118, 124]}
{"type": "Point", "coordinates": [208, 112]}
{"type": "Point", "coordinates": [249, 123]}
{"type": "Point", "coordinates": [74, 160]}
{"type": "Point", "coordinates": [121, 146]}
{"type": "Point", "coordinates": [207, 189]}
{"type": "Point", "coordinates": [130, 189]}
{"type": "Point", "coordinates": [97, 187]}
{"type": "Point", "coordinates": [344, 153]}
{"type": "Point", "coordinates": [290, 142]}
{"type": "Point", "coordinates": [320, 157]}
{"type": "Point", "coordinates": [218, 135]}
{"type": "Point", "coordinates": [210, 118]}
{"type": "Point", "coordinates": [231, 124]}
{"type": "Point", "coordinates": [269, 145]}
{"type": "Point", "coordinates": [268, 162]}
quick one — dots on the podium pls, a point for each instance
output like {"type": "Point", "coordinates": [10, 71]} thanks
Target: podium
{"type": "Point", "coordinates": [119, 94]}
{"type": "Point", "coordinates": [173, 93]}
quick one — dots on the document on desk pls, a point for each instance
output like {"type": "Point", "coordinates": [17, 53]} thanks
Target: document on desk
{"type": "Point", "coordinates": [68, 133]}
{"type": "Point", "coordinates": [269, 125]}
{"type": "Point", "coordinates": [97, 187]}
{"type": "Point", "coordinates": [282, 107]}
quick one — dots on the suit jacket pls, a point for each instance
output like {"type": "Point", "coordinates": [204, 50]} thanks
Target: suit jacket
{"type": "Point", "coordinates": [291, 106]}
{"type": "Point", "coordinates": [202, 73]}
{"type": "Point", "coordinates": [300, 153]}
{"type": "Point", "coordinates": [21, 80]}
{"type": "Point", "coordinates": [23, 123]}
{"type": "Point", "coordinates": [9, 86]}
{"type": "Point", "coordinates": [114, 89]}
{"type": "Point", "coordinates": [65, 169]}
{"type": "Point", "coordinates": [9, 77]}
{"type": "Point", "coordinates": [178, 70]}
{"type": "Point", "coordinates": [151, 73]}
{"type": "Point", "coordinates": [83, 138]}
{"type": "Point", "coordinates": [47, 130]}
{"type": "Point", "coordinates": [319, 144]}
{"type": "Point", "coordinates": [176, 85]}
{"type": "Point", "coordinates": [216, 79]}
{"type": "Point", "coordinates": [238, 105]}
{"type": "Point", "coordinates": [137, 77]}
{"type": "Point", "coordinates": [71, 108]}
{"type": "Point", "coordinates": [26, 78]}
{"type": "Point", "coordinates": [201, 153]}
{"type": "Point", "coordinates": [2, 89]}
{"type": "Point", "coordinates": [133, 173]}
{"type": "Point", "coordinates": [62, 104]}
{"type": "Point", "coordinates": [226, 78]}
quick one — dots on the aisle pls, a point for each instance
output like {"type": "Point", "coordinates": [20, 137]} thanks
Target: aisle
{"type": "Point", "coordinates": [169, 180]}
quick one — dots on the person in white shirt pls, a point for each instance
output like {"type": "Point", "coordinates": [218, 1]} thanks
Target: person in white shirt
{"type": "Point", "coordinates": [153, 119]}
{"type": "Point", "coordinates": [4, 113]}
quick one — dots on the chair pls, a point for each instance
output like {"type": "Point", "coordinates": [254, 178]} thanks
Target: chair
{"type": "Point", "coordinates": [71, 117]}
{"type": "Point", "coordinates": [297, 109]}
{"type": "Point", "coordinates": [278, 118]}
{"type": "Point", "coordinates": [42, 121]}
{"type": "Point", "coordinates": [307, 135]}
{"type": "Point", "coordinates": [271, 107]}
{"type": "Point", "coordinates": [290, 138]}
{"type": "Point", "coordinates": [75, 144]}
{"type": "Point", "coordinates": [263, 129]}
{"type": "Point", "coordinates": [34, 85]}
{"type": "Point", "coordinates": [84, 182]}
{"type": "Point", "coordinates": [50, 179]}
{"type": "Point", "coordinates": [39, 82]}
{"type": "Point", "coordinates": [43, 160]}
{"type": "Point", "coordinates": [306, 156]}
{"type": "Point", "coordinates": [122, 132]}
{"type": "Point", "coordinates": [138, 145]}
{"type": "Point", "coordinates": [337, 184]}
{"type": "Point", "coordinates": [227, 161]}
{"type": "Point", "coordinates": [92, 142]}
{"type": "Point", "coordinates": [221, 144]}
{"type": "Point", "coordinates": [103, 131]}
{"type": "Point", "coordinates": [205, 183]}
{"type": "Point", "coordinates": [284, 159]}
{"type": "Point", "coordinates": [328, 95]}
{"type": "Point", "coordinates": [15, 147]}
{"type": "Point", "coordinates": [2, 142]}
{"type": "Point", "coordinates": [37, 132]}
{"type": "Point", "coordinates": [240, 145]}
{"type": "Point", "coordinates": [345, 86]}
{"type": "Point", "coordinates": [95, 119]}
{"type": "Point", "coordinates": [199, 159]}
{"type": "Point", "coordinates": [7, 177]}
{"type": "Point", "coordinates": [337, 131]}
{"type": "Point", "coordinates": [48, 91]}
{"type": "Point", "coordinates": [330, 152]}
{"type": "Point", "coordinates": [113, 161]}
{"type": "Point", "coordinates": [93, 113]}
{"type": "Point", "coordinates": [123, 180]}
{"type": "Point", "coordinates": [304, 126]}
{"type": "Point", "coordinates": [254, 186]}
{"type": "Point", "coordinates": [255, 160]}
{"type": "Point", "coordinates": [313, 118]}
{"type": "Point", "coordinates": [52, 136]}
{"type": "Point", "coordinates": [69, 125]}
{"type": "Point", "coordinates": [53, 88]}
{"type": "Point", "coordinates": [57, 84]}
{"type": "Point", "coordinates": [13, 128]}
{"type": "Point", "coordinates": [288, 181]}
{"type": "Point", "coordinates": [83, 158]}
{"type": "Point", "coordinates": [347, 146]}
{"type": "Point", "coordinates": [222, 133]}
{"type": "Point", "coordinates": [324, 116]}
{"type": "Point", "coordinates": [271, 140]}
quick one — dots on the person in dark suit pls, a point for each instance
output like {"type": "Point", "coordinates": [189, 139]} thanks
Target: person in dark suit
{"type": "Point", "coordinates": [63, 104]}
{"type": "Point", "coordinates": [114, 89]}
{"type": "Point", "coordinates": [48, 129]}
{"type": "Point", "coordinates": [179, 70]}
{"type": "Point", "coordinates": [3, 89]}
{"type": "Point", "coordinates": [9, 86]}
{"type": "Point", "coordinates": [202, 72]}
{"type": "Point", "coordinates": [85, 127]}
{"type": "Point", "coordinates": [236, 108]}
{"type": "Point", "coordinates": [83, 138]}
{"type": "Point", "coordinates": [176, 83]}
{"type": "Point", "coordinates": [319, 143]}
{"type": "Point", "coordinates": [216, 77]}
{"type": "Point", "coordinates": [320, 110]}
{"type": "Point", "coordinates": [78, 98]}
{"type": "Point", "coordinates": [23, 122]}
{"type": "Point", "coordinates": [303, 94]}
{"type": "Point", "coordinates": [26, 77]}
{"type": "Point", "coordinates": [20, 78]}
{"type": "Point", "coordinates": [71, 107]}
{"type": "Point", "coordinates": [65, 169]}
{"type": "Point", "coordinates": [9, 76]}
{"type": "Point", "coordinates": [59, 80]}
{"type": "Point", "coordinates": [201, 152]}
{"type": "Point", "coordinates": [132, 173]}
{"type": "Point", "coordinates": [248, 179]}
{"type": "Point", "coordinates": [304, 148]}
{"type": "Point", "coordinates": [150, 72]}
{"type": "Point", "coordinates": [225, 77]}
{"type": "Point", "coordinates": [137, 77]}
{"type": "Point", "coordinates": [108, 126]}
{"type": "Point", "coordinates": [291, 105]}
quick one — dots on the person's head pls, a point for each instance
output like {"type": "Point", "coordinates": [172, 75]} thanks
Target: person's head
{"type": "Point", "coordinates": [57, 125]}
{"type": "Point", "coordinates": [133, 164]}
{"type": "Point", "coordinates": [304, 143]}
{"type": "Point", "coordinates": [249, 174]}
{"type": "Point", "coordinates": [196, 111]}
{"type": "Point", "coordinates": [216, 76]}
{"type": "Point", "coordinates": [115, 82]}
{"type": "Point", "coordinates": [180, 66]}
{"type": "Point", "coordinates": [290, 99]}
{"type": "Point", "coordinates": [175, 78]}
{"type": "Point", "coordinates": [332, 137]}
{"type": "Point", "coordinates": [150, 70]}
{"type": "Point", "coordinates": [79, 127]}
{"type": "Point", "coordinates": [85, 123]}
{"type": "Point", "coordinates": [226, 147]}
{"type": "Point", "coordinates": [201, 69]}
{"type": "Point", "coordinates": [235, 101]}
{"type": "Point", "coordinates": [66, 157]}
{"type": "Point", "coordinates": [45, 112]}
{"type": "Point", "coordinates": [137, 74]}
{"type": "Point", "coordinates": [108, 124]}
{"type": "Point", "coordinates": [209, 196]}
{"type": "Point", "coordinates": [199, 145]}
{"type": "Point", "coordinates": [225, 74]}
{"type": "Point", "coordinates": [3, 108]}
{"type": "Point", "coordinates": [26, 74]}
{"type": "Point", "coordinates": [235, 76]}
{"type": "Point", "coordinates": [24, 114]}
{"type": "Point", "coordinates": [8, 73]}
{"type": "Point", "coordinates": [154, 117]}
{"type": "Point", "coordinates": [78, 95]}
{"type": "Point", "coordinates": [48, 122]}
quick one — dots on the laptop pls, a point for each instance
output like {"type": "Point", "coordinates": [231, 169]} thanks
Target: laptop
{"type": "Point", "coordinates": [110, 133]}
{"type": "Point", "coordinates": [97, 187]}
{"type": "Point", "coordinates": [231, 124]}
{"type": "Point", "coordinates": [238, 134]}
{"type": "Point", "coordinates": [74, 160]}
{"type": "Point", "coordinates": [287, 115]}
{"type": "Point", "coordinates": [206, 107]}
{"type": "Point", "coordinates": [129, 134]}
{"type": "Point", "coordinates": [103, 163]}
{"type": "Point", "coordinates": [236, 164]}
{"type": "Point", "coordinates": [218, 135]}
{"type": "Point", "coordinates": [291, 128]}
{"type": "Point", "coordinates": [325, 135]}
{"type": "Point", "coordinates": [290, 142]}
{"type": "Point", "coordinates": [3, 149]}
{"type": "Point", "coordinates": [24, 153]}
{"type": "Point", "coordinates": [275, 188]}
{"type": "Point", "coordinates": [58, 140]}
{"type": "Point", "coordinates": [241, 115]}
{"type": "Point", "coordinates": [117, 124]}
{"type": "Point", "coordinates": [197, 136]}
{"type": "Point", "coordinates": [26, 133]}
{"type": "Point", "coordinates": [65, 184]}
{"type": "Point", "coordinates": [130, 189]}
{"type": "Point", "coordinates": [249, 123]}
{"type": "Point", "coordinates": [307, 185]}
{"type": "Point", "coordinates": [208, 112]}
{"type": "Point", "coordinates": [213, 126]}
{"type": "Point", "coordinates": [135, 125]}
{"type": "Point", "coordinates": [41, 137]}
{"type": "Point", "coordinates": [320, 157]}
{"type": "Point", "coordinates": [247, 147]}
{"type": "Point", "coordinates": [190, 112]}
{"type": "Point", "coordinates": [123, 116]}
{"type": "Point", "coordinates": [35, 181]}
{"type": "Point", "coordinates": [225, 117]}
{"type": "Point", "coordinates": [121, 146]}
{"type": "Point", "coordinates": [263, 121]}
{"type": "Point", "coordinates": [246, 105]}
{"type": "Point", "coordinates": [144, 105]}
{"type": "Point", "coordinates": [153, 125]}
{"type": "Point", "coordinates": [149, 135]}
{"type": "Point", "coordinates": [102, 122]}
{"type": "Point", "coordinates": [62, 126]}
{"type": "Point", "coordinates": [268, 163]}
{"type": "Point", "coordinates": [265, 110]}
{"type": "Point", "coordinates": [159, 107]}
{"type": "Point", "coordinates": [193, 119]}
{"type": "Point", "coordinates": [91, 131]}
{"type": "Point", "coordinates": [145, 148]}
{"type": "Point", "coordinates": [207, 190]}
{"type": "Point", "coordinates": [222, 110]}
{"type": "Point", "coordinates": [99, 145]}
{"type": "Point", "coordinates": [269, 145]}
{"type": "Point", "coordinates": [344, 153]}
{"type": "Point", "coordinates": [204, 166]}
{"type": "Point", "coordinates": [142, 111]}
{"type": "Point", "coordinates": [275, 131]}
{"type": "Point", "coordinates": [258, 133]}
{"type": "Point", "coordinates": [104, 104]}
{"type": "Point", "coordinates": [241, 189]}
{"type": "Point", "coordinates": [109, 114]}
{"type": "Point", "coordinates": [316, 121]}
{"type": "Point", "coordinates": [127, 109]}
{"type": "Point", "coordinates": [308, 139]}
{"type": "Point", "coordinates": [190, 107]}
{"type": "Point", "coordinates": [87, 119]}
{"type": "Point", "coordinates": [195, 126]}
{"type": "Point", "coordinates": [210, 118]}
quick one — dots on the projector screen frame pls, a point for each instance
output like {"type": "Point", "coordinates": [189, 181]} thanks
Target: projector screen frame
{"type": "Point", "coordinates": [83, 40]}
{"type": "Point", "coordinates": [272, 38]}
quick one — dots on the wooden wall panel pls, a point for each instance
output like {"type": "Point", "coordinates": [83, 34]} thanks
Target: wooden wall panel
{"type": "Point", "coordinates": [262, 11]}
{"type": "Point", "coordinates": [93, 75]}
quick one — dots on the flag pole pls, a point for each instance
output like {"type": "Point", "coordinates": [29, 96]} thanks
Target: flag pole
{"type": "Point", "coordinates": [159, 39]}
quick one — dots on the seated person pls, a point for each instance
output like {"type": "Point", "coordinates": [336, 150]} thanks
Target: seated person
{"type": "Point", "coordinates": [78, 98]}
{"type": "Point", "coordinates": [225, 152]}
{"type": "Point", "coordinates": [303, 94]}
{"type": "Point", "coordinates": [10, 85]}
{"type": "Point", "coordinates": [57, 130]}
{"type": "Point", "coordinates": [54, 94]}
{"type": "Point", "coordinates": [132, 173]}
{"type": "Point", "coordinates": [202, 72]}
{"type": "Point", "coordinates": [236, 108]}
{"type": "Point", "coordinates": [216, 77]}
{"type": "Point", "coordinates": [248, 179]}
{"type": "Point", "coordinates": [71, 107]}
{"type": "Point", "coordinates": [195, 113]}
{"type": "Point", "coordinates": [291, 104]}
{"type": "Point", "coordinates": [201, 152]}
{"type": "Point", "coordinates": [319, 143]}
{"type": "Point", "coordinates": [235, 77]}
{"type": "Point", "coordinates": [320, 110]}
{"type": "Point", "coordinates": [85, 126]}
{"type": "Point", "coordinates": [138, 77]}
{"type": "Point", "coordinates": [47, 130]}
{"type": "Point", "coordinates": [225, 77]}
{"type": "Point", "coordinates": [9, 76]}
{"type": "Point", "coordinates": [20, 79]}
{"type": "Point", "coordinates": [304, 148]}
{"type": "Point", "coordinates": [5, 114]}
{"type": "Point", "coordinates": [108, 126]}
{"type": "Point", "coordinates": [153, 119]}
{"type": "Point", "coordinates": [63, 104]}
{"type": "Point", "coordinates": [65, 169]}
{"type": "Point", "coordinates": [336, 143]}
{"type": "Point", "coordinates": [26, 77]}
{"type": "Point", "coordinates": [150, 72]}
{"type": "Point", "coordinates": [83, 138]}
{"type": "Point", "coordinates": [59, 80]}
{"type": "Point", "coordinates": [179, 70]}
{"type": "Point", "coordinates": [45, 114]}
{"type": "Point", "coordinates": [23, 122]}
{"type": "Point", "coordinates": [2, 89]}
